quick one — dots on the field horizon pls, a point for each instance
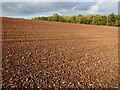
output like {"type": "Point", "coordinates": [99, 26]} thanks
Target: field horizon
{"type": "Point", "coordinates": [56, 22]}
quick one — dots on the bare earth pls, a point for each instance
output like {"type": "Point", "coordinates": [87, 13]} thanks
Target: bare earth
{"type": "Point", "coordinates": [50, 54]}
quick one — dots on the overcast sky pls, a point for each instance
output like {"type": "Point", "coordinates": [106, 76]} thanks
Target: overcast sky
{"type": "Point", "coordinates": [33, 9]}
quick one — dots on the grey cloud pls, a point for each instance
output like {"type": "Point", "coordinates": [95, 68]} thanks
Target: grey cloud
{"type": "Point", "coordinates": [31, 9]}
{"type": "Point", "coordinates": [83, 6]}
{"type": "Point", "coordinates": [108, 8]}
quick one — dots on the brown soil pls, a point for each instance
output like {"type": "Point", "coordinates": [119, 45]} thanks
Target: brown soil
{"type": "Point", "coordinates": [50, 54]}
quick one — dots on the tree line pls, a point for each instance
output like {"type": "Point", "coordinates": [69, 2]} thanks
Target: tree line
{"type": "Point", "coordinates": [107, 20]}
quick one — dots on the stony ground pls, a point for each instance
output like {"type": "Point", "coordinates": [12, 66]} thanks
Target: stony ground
{"type": "Point", "coordinates": [48, 54]}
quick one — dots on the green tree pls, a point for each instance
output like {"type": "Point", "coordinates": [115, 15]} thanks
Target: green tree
{"type": "Point", "coordinates": [111, 19]}
{"type": "Point", "coordinates": [56, 17]}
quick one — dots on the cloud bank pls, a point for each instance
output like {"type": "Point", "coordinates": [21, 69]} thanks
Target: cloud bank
{"type": "Point", "coordinates": [59, 1]}
{"type": "Point", "coordinates": [32, 9]}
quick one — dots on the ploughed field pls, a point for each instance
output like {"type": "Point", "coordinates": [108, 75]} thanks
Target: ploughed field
{"type": "Point", "coordinates": [52, 54]}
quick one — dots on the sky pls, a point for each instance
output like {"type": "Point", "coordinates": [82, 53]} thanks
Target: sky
{"type": "Point", "coordinates": [27, 9]}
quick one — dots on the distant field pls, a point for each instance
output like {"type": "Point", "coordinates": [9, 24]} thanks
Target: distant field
{"type": "Point", "coordinates": [47, 54]}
